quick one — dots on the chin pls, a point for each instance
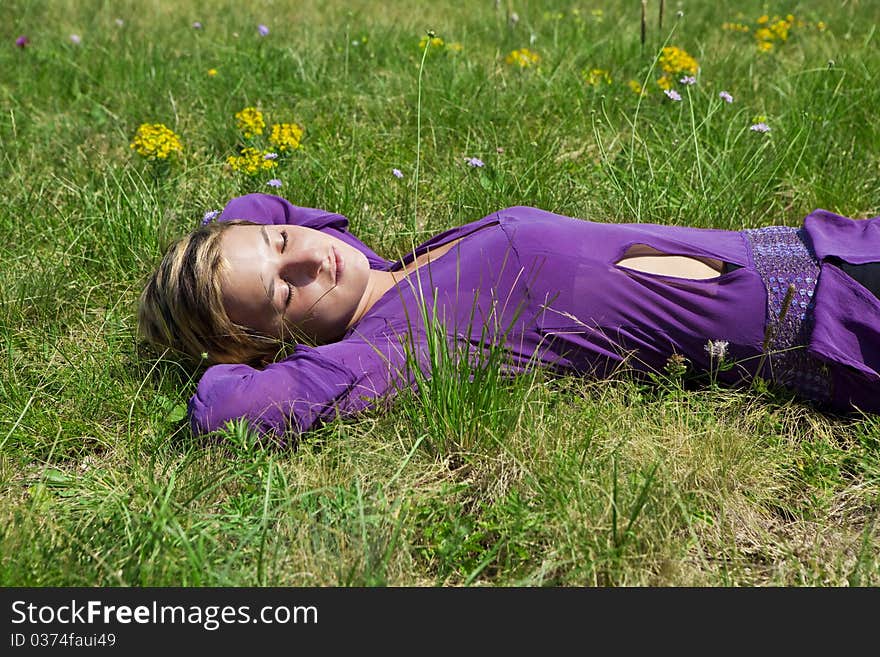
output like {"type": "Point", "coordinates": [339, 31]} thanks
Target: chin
{"type": "Point", "coordinates": [355, 276]}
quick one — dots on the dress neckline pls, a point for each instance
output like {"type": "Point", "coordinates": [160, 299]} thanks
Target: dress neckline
{"type": "Point", "coordinates": [458, 234]}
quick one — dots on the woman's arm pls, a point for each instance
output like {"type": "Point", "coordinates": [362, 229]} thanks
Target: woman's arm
{"type": "Point", "coordinates": [271, 209]}
{"type": "Point", "coordinates": [312, 386]}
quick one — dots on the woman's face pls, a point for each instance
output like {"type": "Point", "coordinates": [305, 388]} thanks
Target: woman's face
{"type": "Point", "coordinates": [290, 282]}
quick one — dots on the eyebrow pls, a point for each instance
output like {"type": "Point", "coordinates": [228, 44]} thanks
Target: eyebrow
{"type": "Point", "coordinates": [269, 246]}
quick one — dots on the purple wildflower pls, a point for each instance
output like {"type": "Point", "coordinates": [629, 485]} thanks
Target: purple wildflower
{"type": "Point", "coordinates": [119, 22]}
{"type": "Point", "coordinates": [270, 156]}
{"type": "Point", "coordinates": [75, 39]}
{"type": "Point", "coordinates": [688, 80]}
{"type": "Point", "coordinates": [760, 127]}
{"type": "Point", "coordinates": [197, 25]}
{"type": "Point", "coordinates": [275, 182]}
{"type": "Point", "coordinates": [397, 173]}
{"type": "Point", "coordinates": [262, 29]}
{"type": "Point", "coordinates": [22, 41]}
{"type": "Point", "coordinates": [673, 94]}
{"type": "Point", "coordinates": [209, 217]}
{"type": "Point", "coordinates": [726, 97]}
{"type": "Point", "coordinates": [474, 161]}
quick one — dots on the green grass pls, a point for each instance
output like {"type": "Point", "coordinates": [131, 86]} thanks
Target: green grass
{"type": "Point", "coordinates": [477, 479]}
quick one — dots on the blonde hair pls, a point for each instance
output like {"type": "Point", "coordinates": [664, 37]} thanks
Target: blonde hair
{"type": "Point", "coordinates": [181, 306]}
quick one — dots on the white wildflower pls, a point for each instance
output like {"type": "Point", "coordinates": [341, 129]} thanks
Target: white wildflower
{"type": "Point", "coordinates": [717, 349]}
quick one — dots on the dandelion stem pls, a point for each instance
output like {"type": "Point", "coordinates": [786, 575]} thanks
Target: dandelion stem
{"type": "Point", "coordinates": [637, 176]}
{"type": "Point", "coordinates": [696, 144]}
{"type": "Point", "coordinates": [415, 223]}
{"type": "Point", "coordinates": [660, 15]}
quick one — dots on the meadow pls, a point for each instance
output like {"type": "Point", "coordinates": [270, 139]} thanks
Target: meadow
{"type": "Point", "coordinates": [411, 118]}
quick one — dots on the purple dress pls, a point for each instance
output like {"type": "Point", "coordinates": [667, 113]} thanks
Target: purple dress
{"type": "Point", "coordinates": [550, 289]}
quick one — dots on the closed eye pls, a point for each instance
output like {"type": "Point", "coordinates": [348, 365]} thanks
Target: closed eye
{"type": "Point", "coordinates": [289, 295]}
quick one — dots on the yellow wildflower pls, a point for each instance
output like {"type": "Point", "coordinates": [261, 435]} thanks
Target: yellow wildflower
{"type": "Point", "coordinates": [664, 83]}
{"type": "Point", "coordinates": [636, 87]}
{"type": "Point", "coordinates": [251, 161]}
{"type": "Point", "coordinates": [675, 60]}
{"type": "Point", "coordinates": [286, 136]}
{"type": "Point", "coordinates": [455, 46]}
{"type": "Point", "coordinates": [821, 26]}
{"type": "Point", "coordinates": [767, 30]}
{"type": "Point", "coordinates": [735, 27]}
{"type": "Point", "coordinates": [436, 42]}
{"type": "Point", "coordinates": [597, 76]}
{"type": "Point", "coordinates": [155, 141]}
{"type": "Point", "coordinates": [523, 58]}
{"type": "Point", "coordinates": [780, 29]}
{"type": "Point", "coordinates": [212, 72]}
{"type": "Point", "coordinates": [250, 121]}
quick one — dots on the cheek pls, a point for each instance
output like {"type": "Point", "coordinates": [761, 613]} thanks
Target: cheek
{"type": "Point", "coordinates": [309, 302]}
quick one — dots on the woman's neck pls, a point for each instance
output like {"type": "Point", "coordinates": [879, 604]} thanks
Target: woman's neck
{"type": "Point", "coordinates": [380, 282]}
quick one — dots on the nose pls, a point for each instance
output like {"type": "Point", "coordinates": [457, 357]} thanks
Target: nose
{"type": "Point", "coordinates": [300, 266]}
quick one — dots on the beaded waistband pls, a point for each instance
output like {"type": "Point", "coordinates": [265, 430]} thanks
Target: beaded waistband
{"type": "Point", "coordinates": [790, 271]}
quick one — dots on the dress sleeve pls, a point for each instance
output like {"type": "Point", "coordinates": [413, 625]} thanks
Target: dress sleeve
{"type": "Point", "coordinates": [310, 387]}
{"type": "Point", "coordinates": [271, 209]}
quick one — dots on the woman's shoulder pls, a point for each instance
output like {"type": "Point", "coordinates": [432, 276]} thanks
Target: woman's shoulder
{"type": "Point", "coordinates": [526, 212]}
{"type": "Point", "coordinates": [526, 215]}
{"type": "Point", "coordinates": [272, 209]}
